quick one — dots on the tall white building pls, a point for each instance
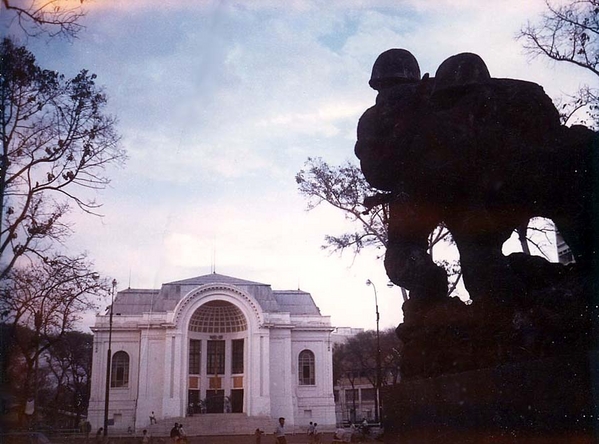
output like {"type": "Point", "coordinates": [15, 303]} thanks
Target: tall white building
{"type": "Point", "coordinates": [213, 344]}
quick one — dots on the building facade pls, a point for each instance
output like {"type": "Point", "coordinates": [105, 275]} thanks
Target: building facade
{"type": "Point", "coordinates": [212, 344]}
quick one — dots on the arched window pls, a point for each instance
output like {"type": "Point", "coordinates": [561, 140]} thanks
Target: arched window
{"type": "Point", "coordinates": [306, 368]}
{"type": "Point", "coordinates": [119, 376]}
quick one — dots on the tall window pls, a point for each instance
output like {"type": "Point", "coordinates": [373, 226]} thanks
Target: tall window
{"type": "Point", "coordinates": [215, 363]}
{"type": "Point", "coordinates": [195, 354]}
{"type": "Point", "coordinates": [237, 356]}
{"type": "Point", "coordinates": [306, 368]}
{"type": "Point", "coordinates": [119, 375]}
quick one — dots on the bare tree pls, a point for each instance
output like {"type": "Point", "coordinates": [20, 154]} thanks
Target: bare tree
{"type": "Point", "coordinates": [56, 143]}
{"type": "Point", "coordinates": [569, 33]}
{"type": "Point", "coordinates": [51, 17]}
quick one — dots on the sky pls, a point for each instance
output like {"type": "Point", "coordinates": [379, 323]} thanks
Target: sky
{"type": "Point", "coordinates": [220, 103]}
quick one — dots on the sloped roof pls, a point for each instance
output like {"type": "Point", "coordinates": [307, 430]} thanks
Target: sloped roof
{"type": "Point", "coordinates": [135, 301]}
{"type": "Point", "coordinates": [138, 301]}
{"type": "Point", "coordinates": [214, 278]}
{"type": "Point", "coordinates": [296, 302]}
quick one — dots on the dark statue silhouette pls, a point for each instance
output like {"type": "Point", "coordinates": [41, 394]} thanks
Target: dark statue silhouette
{"type": "Point", "coordinates": [481, 155]}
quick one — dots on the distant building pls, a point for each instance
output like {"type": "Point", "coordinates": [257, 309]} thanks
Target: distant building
{"type": "Point", "coordinates": [213, 344]}
{"type": "Point", "coordinates": [354, 393]}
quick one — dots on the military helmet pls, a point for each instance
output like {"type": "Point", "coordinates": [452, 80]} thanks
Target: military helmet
{"type": "Point", "coordinates": [392, 67]}
{"type": "Point", "coordinates": [461, 70]}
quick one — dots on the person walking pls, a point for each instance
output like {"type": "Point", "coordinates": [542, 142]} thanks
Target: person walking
{"type": "Point", "coordinates": [280, 432]}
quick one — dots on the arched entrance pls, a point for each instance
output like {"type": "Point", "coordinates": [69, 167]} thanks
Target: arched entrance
{"type": "Point", "coordinates": [216, 366]}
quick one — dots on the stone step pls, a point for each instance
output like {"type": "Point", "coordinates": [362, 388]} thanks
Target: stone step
{"type": "Point", "coordinates": [211, 424]}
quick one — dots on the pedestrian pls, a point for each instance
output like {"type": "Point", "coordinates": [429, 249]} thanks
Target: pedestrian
{"type": "Point", "coordinates": [365, 427]}
{"type": "Point", "coordinates": [182, 434]}
{"type": "Point", "coordinates": [311, 433]}
{"type": "Point", "coordinates": [258, 434]}
{"type": "Point", "coordinates": [280, 432]}
{"type": "Point", "coordinates": [153, 419]}
{"type": "Point", "coordinates": [316, 433]}
{"type": "Point", "coordinates": [99, 435]}
{"type": "Point", "coordinates": [175, 433]}
{"type": "Point", "coordinates": [145, 439]}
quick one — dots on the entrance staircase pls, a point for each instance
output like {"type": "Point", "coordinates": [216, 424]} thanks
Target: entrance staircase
{"type": "Point", "coordinates": [214, 424]}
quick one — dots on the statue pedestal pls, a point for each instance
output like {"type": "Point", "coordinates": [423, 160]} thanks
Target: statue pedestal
{"type": "Point", "coordinates": [545, 401]}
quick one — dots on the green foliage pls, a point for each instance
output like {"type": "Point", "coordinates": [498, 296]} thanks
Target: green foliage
{"type": "Point", "coordinates": [69, 362]}
{"type": "Point", "coordinates": [345, 188]}
{"type": "Point", "coordinates": [41, 305]}
{"type": "Point", "coordinates": [355, 359]}
{"type": "Point", "coordinates": [61, 381]}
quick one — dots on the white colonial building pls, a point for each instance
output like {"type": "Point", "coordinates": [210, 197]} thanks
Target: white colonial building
{"type": "Point", "coordinates": [213, 344]}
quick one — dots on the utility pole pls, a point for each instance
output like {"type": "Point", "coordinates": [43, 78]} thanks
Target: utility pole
{"type": "Point", "coordinates": [108, 360]}
{"type": "Point", "coordinates": [377, 407]}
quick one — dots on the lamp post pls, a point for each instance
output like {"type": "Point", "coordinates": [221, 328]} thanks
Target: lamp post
{"type": "Point", "coordinates": [377, 406]}
{"type": "Point", "coordinates": [108, 359]}
{"type": "Point", "coordinates": [404, 293]}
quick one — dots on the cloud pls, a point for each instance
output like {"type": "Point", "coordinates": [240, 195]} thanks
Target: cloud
{"type": "Point", "coordinates": [221, 102]}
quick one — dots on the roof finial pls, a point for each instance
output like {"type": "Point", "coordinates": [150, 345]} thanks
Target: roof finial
{"type": "Point", "coordinates": [213, 265]}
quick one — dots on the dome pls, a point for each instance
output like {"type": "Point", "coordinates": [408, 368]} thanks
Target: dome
{"type": "Point", "coordinates": [218, 317]}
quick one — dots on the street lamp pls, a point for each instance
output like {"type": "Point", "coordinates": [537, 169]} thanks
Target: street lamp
{"type": "Point", "coordinates": [377, 407]}
{"type": "Point", "coordinates": [108, 359]}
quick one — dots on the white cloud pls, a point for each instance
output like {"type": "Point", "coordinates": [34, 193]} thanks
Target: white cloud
{"type": "Point", "coordinates": [221, 102]}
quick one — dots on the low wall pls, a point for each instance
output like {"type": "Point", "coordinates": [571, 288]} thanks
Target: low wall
{"type": "Point", "coordinates": [539, 399]}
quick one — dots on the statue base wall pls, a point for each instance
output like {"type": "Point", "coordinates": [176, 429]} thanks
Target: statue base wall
{"type": "Point", "coordinates": [541, 401]}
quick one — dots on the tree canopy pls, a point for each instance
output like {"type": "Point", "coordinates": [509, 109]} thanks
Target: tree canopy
{"type": "Point", "coordinates": [57, 141]}
{"type": "Point", "coordinates": [356, 358]}
{"type": "Point", "coordinates": [345, 188]}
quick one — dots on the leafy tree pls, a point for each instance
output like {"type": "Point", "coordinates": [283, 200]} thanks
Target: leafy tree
{"type": "Point", "coordinates": [69, 361]}
{"type": "Point", "coordinates": [358, 356]}
{"type": "Point", "coordinates": [346, 369]}
{"type": "Point", "coordinates": [345, 188]}
{"type": "Point", "coordinates": [355, 360]}
{"type": "Point", "coordinates": [41, 304]}
{"type": "Point", "coordinates": [51, 17]}
{"type": "Point", "coordinates": [569, 33]}
{"type": "Point", "coordinates": [56, 144]}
